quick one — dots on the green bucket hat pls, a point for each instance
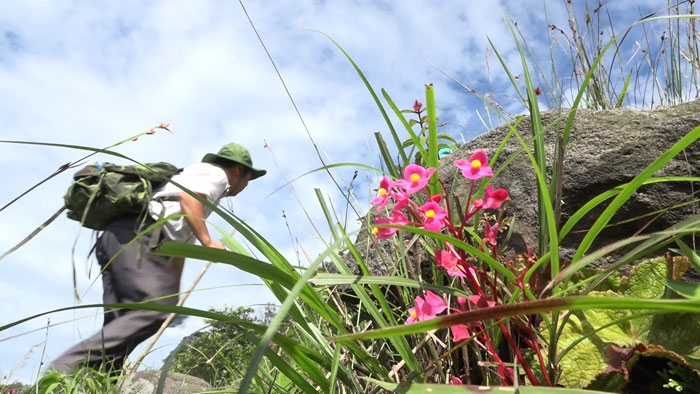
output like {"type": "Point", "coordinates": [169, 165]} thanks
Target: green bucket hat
{"type": "Point", "coordinates": [237, 154]}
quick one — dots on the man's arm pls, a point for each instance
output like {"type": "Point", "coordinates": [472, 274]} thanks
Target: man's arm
{"type": "Point", "coordinates": [178, 263]}
{"type": "Point", "coordinates": [194, 216]}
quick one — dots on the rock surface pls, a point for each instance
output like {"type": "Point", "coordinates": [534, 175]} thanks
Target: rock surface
{"type": "Point", "coordinates": [146, 382]}
{"type": "Point", "coordinates": [606, 149]}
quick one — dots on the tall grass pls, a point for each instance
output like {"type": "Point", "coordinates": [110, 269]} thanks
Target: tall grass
{"type": "Point", "coordinates": [338, 332]}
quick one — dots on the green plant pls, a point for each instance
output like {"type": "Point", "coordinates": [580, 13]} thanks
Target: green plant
{"type": "Point", "coordinates": [598, 346]}
{"type": "Point", "coordinates": [420, 139]}
{"type": "Point", "coordinates": [86, 380]}
{"type": "Point", "coordinates": [13, 388]}
{"type": "Point", "coordinates": [680, 379]}
{"type": "Point", "coordinates": [221, 351]}
{"type": "Point", "coordinates": [550, 231]}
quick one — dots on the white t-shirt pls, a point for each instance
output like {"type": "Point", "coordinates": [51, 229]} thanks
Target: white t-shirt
{"type": "Point", "coordinates": [202, 178]}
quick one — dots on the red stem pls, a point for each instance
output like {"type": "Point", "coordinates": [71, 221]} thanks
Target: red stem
{"type": "Point", "coordinates": [521, 359]}
{"type": "Point", "coordinates": [466, 209]}
{"type": "Point", "coordinates": [534, 344]}
{"type": "Point", "coordinates": [502, 369]}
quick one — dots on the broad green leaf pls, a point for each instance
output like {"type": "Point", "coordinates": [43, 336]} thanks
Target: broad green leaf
{"type": "Point", "coordinates": [646, 280]}
{"type": "Point", "coordinates": [586, 338]}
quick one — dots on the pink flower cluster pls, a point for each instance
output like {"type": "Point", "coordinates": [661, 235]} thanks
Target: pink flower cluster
{"type": "Point", "coordinates": [415, 179]}
{"type": "Point", "coordinates": [426, 307]}
{"type": "Point", "coordinates": [431, 214]}
{"type": "Point", "coordinates": [430, 305]}
{"type": "Point", "coordinates": [433, 217]}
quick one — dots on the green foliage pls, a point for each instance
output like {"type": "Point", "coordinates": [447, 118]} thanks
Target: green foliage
{"type": "Point", "coordinates": [13, 388]}
{"type": "Point", "coordinates": [220, 352]}
{"type": "Point", "coordinates": [419, 142]}
{"type": "Point", "coordinates": [592, 342]}
{"type": "Point", "coordinates": [680, 379]}
{"type": "Point", "coordinates": [86, 380]}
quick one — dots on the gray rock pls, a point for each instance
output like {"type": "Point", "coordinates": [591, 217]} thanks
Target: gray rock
{"type": "Point", "coordinates": [146, 382]}
{"type": "Point", "coordinates": [606, 149]}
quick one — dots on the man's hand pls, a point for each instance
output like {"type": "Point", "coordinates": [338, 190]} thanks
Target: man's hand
{"type": "Point", "coordinates": [215, 245]}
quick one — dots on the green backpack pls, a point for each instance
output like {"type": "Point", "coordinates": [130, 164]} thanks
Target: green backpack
{"type": "Point", "coordinates": [103, 192]}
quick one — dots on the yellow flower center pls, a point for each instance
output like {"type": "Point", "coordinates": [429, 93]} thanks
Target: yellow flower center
{"type": "Point", "coordinates": [382, 192]}
{"type": "Point", "coordinates": [414, 314]}
{"type": "Point", "coordinates": [476, 164]}
{"type": "Point", "coordinates": [430, 214]}
{"type": "Point", "coordinates": [375, 230]}
{"type": "Point", "coordinates": [415, 177]}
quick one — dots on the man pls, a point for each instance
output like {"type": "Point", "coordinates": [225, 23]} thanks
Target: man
{"type": "Point", "coordinates": [136, 275]}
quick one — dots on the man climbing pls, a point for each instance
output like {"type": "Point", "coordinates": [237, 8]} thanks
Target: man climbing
{"type": "Point", "coordinates": [136, 275]}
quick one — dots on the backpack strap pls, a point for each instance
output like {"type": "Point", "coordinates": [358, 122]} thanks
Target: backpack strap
{"type": "Point", "coordinates": [93, 195]}
{"type": "Point", "coordinates": [155, 235]}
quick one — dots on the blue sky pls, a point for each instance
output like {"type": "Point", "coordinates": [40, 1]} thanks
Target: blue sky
{"type": "Point", "coordinates": [95, 73]}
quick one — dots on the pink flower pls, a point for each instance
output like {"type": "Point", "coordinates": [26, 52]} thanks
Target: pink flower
{"type": "Point", "coordinates": [460, 332]}
{"type": "Point", "coordinates": [383, 194]}
{"type": "Point", "coordinates": [426, 308]}
{"type": "Point", "coordinates": [456, 380]}
{"type": "Point", "coordinates": [387, 232]}
{"type": "Point", "coordinates": [481, 301]}
{"type": "Point", "coordinates": [417, 106]}
{"type": "Point", "coordinates": [476, 167]}
{"type": "Point", "coordinates": [492, 198]}
{"type": "Point", "coordinates": [401, 199]}
{"type": "Point", "coordinates": [491, 233]}
{"type": "Point", "coordinates": [397, 217]}
{"type": "Point", "coordinates": [434, 216]}
{"type": "Point", "coordinates": [415, 178]}
{"type": "Point", "coordinates": [383, 232]}
{"type": "Point", "coordinates": [451, 264]}
{"type": "Point", "coordinates": [462, 302]}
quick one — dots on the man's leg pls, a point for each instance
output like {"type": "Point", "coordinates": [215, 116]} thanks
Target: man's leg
{"type": "Point", "coordinates": [133, 276]}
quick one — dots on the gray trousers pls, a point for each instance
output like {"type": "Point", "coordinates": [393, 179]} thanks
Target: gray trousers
{"type": "Point", "coordinates": [135, 275]}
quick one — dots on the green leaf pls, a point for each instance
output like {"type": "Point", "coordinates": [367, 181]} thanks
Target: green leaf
{"type": "Point", "coordinates": [690, 254]}
{"type": "Point", "coordinates": [432, 158]}
{"type": "Point", "coordinates": [686, 289]}
{"type": "Point", "coordinates": [587, 336]}
{"type": "Point", "coordinates": [583, 341]}
{"type": "Point", "coordinates": [245, 263]}
{"type": "Point", "coordinates": [646, 280]}
{"type": "Point", "coordinates": [323, 279]}
{"type": "Point", "coordinates": [380, 107]}
{"type": "Point", "coordinates": [413, 139]}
